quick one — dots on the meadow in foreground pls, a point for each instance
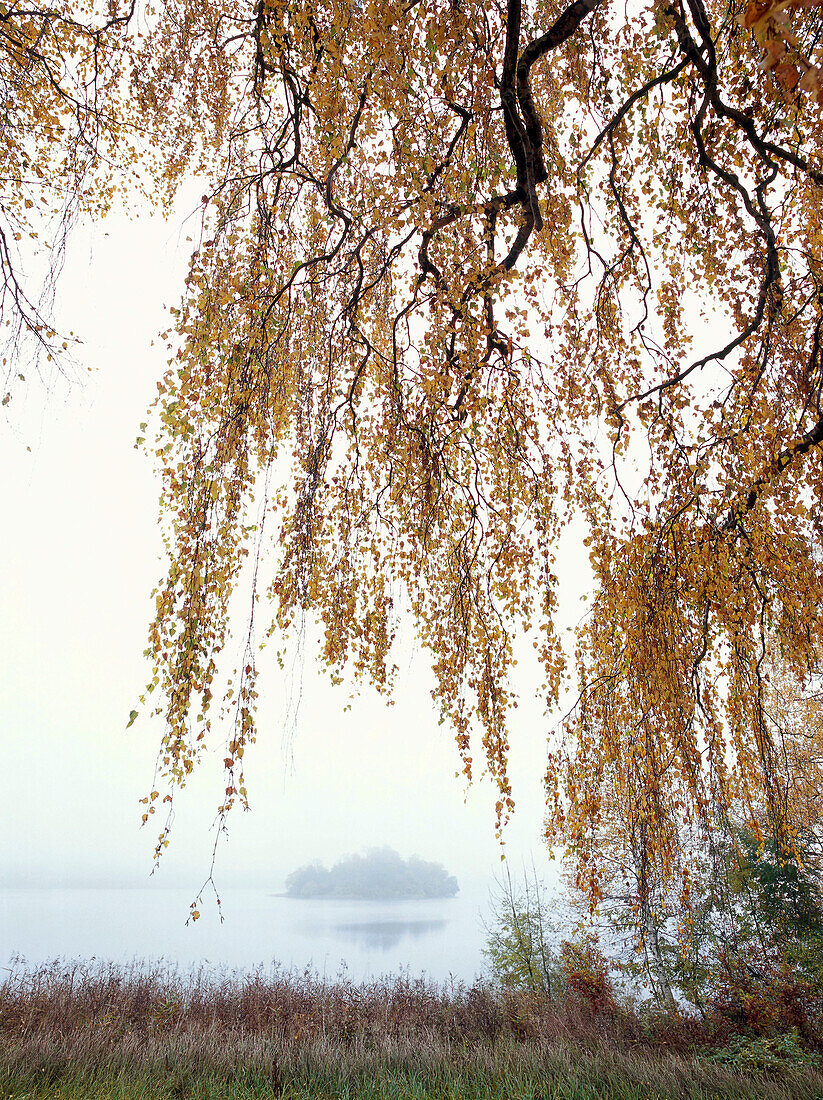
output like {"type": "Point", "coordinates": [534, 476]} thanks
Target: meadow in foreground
{"type": "Point", "coordinates": [83, 1032]}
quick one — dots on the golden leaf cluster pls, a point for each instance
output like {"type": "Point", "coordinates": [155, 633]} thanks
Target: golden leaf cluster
{"type": "Point", "coordinates": [468, 272]}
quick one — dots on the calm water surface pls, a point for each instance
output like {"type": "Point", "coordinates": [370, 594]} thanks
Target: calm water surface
{"type": "Point", "coordinates": [443, 938]}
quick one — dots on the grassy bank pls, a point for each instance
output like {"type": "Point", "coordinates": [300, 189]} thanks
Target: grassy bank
{"type": "Point", "coordinates": [73, 1033]}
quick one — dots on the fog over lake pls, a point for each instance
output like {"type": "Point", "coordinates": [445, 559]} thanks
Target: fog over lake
{"type": "Point", "coordinates": [335, 769]}
{"type": "Point", "coordinates": [442, 937]}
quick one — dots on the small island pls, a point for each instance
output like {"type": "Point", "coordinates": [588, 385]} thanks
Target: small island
{"type": "Point", "coordinates": [380, 874]}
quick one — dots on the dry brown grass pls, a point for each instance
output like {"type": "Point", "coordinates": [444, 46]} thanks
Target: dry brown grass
{"type": "Point", "coordinates": [140, 1031]}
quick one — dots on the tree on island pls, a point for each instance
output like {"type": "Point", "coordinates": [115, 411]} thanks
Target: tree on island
{"type": "Point", "coordinates": [380, 874]}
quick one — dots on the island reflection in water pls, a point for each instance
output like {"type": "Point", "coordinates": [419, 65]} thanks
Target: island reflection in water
{"type": "Point", "coordinates": [384, 935]}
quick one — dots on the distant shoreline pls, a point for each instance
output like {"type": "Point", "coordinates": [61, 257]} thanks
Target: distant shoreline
{"type": "Point", "coordinates": [361, 897]}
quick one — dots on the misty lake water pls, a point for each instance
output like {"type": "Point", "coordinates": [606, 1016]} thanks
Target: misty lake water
{"type": "Point", "coordinates": [442, 938]}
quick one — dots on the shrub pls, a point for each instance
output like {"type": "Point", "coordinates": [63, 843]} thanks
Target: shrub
{"type": "Point", "coordinates": [587, 974]}
{"type": "Point", "coordinates": [758, 1054]}
{"type": "Point", "coordinates": [767, 996]}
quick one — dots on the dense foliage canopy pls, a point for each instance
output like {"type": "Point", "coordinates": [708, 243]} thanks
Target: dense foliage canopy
{"type": "Point", "coordinates": [468, 271]}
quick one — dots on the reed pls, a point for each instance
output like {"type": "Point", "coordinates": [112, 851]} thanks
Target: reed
{"type": "Point", "coordinates": [121, 1033]}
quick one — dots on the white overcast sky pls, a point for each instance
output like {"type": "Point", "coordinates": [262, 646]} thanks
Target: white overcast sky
{"type": "Point", "coordinates": [79, 558]}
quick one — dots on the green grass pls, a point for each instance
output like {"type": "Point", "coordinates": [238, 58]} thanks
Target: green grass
{"type": "Point", "coordinates": [84, 1034]}
{"type": "Point", "coordinates": [564, 1072]}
